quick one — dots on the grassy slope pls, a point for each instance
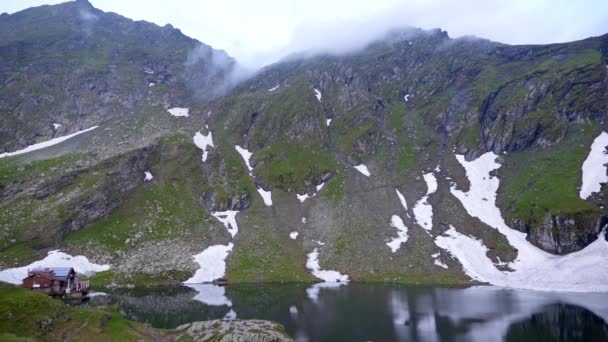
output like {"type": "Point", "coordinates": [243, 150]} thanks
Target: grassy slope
{"type": "Point", "coordinates": [29, 316]}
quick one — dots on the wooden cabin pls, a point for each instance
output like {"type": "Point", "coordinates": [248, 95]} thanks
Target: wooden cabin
{"type": "Point", "coordinates": [55, 281]}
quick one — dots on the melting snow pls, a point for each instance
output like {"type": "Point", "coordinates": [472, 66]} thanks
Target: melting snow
{"type": "Point", "coordinates": [302, 198]}
{"type": "Point", "coordinates": [202, 141]}
{"type": "Point", "coordinates": [318, 94]}
{"type": "Point", "coordinates": [395, 243]}
{"type": "Point", "coordinates": [44, 144]}
{"type": "Point", "coordinates": [328, 122]}
{"type": "Point", "coordinates": [313, 291]}
{"type": "Point", "coordinates": [594, 171]}
{"type": "Point", "coordinates": [582, 271]}
{"type": "Point", "coordinates": [363, 169]}
{"type": "Point", "coordinates": [228, 219]}
{"type": "Point", "coordinates": [54, 258]}
{"type": "Point", "coordinates": [326, 275]}
{"type": "Point", "coordinates": [401, 199]}
{"type": "Point", "coordinates": [423, 210]}
{"type": "Point", "coordinates": [212, 263]}
{"type": "Point", "coordinates": [266, 196]}
{"type": "Point", "coordinates": [274, 88]}
{"type": "Point", "coordinates": [246, 156]}
{"type": "Point", "coordinates": [231, 315]}
{"type": "Point", "coordinates": [293, 235]}
{"type": "Point", "coordinates": [210, 294]}
{"type": "Point", "coordinates": [148, 176]}
{"type": "Point", "coordinates": [178, 111]}
{"type": "Point", "coordinates": [56, 125]}
{"type": "Point", "coordinates": [438, 261]}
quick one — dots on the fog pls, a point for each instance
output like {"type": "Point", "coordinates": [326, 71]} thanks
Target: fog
{"type": "Point", "coordinates": [260, 32]}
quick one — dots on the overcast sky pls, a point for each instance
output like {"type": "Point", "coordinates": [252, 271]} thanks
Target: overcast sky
{"type": "Point", "coordinates": [258, 32]}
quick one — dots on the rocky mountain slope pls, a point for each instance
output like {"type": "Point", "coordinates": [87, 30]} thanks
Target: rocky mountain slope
{"type": "Point", "coordinates": [347, 151]}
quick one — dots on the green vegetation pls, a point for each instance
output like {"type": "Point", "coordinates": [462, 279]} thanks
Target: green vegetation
{"type": "Point", "coordinates": [31, 316]}
{"type": "Point", "coordinates": [288, 166]}
{"type": "Point", "coordinates": [541, 181]}
{"type": "Point", "coordinates": [166, 208]}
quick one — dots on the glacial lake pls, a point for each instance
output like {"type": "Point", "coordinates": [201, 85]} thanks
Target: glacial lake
{"type": "Point", "coordinates": [376, 312]}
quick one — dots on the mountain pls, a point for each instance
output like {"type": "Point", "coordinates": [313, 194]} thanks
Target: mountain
{"type": "Point", "coordinates": [370, 163]}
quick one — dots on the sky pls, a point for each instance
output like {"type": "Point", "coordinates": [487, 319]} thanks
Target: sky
{"type": "Point", "coordinates": [259, 32]}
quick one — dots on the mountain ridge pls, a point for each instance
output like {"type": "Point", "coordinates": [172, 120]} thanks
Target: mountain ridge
{"type": "Point", "coordinates": [403, 109]}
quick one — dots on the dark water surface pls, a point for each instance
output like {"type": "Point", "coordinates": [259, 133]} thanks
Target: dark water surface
{"type": "Point", "coordinates": [376, 312]}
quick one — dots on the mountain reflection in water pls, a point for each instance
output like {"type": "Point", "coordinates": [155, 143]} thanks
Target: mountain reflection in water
{"type": "Point", "coordinates": [377, 312]}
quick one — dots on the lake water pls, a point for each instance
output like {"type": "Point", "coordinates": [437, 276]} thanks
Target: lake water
{"type": "Point", "coordinates": [377, 312]}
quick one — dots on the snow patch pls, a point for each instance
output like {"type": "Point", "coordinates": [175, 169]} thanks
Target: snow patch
{"type": "Point", "coordinates": [304, 220]}
{"type": "Point", "coordinates": [228, 219]}
{"type": "Point", "coordinates": [231, 315]}
{"type": "Point", "coordinates": [293, 235]}
{"type": "Point", "coordinates": [401, 199]}
{"type": "Point", "coordinates": [96, 294]}
{"type": "Point", "coordinates": [328, 122]}
{"type": "Point", "coordinates": [266, 196]}
{"type": "Point", "coordinates": [212, 263]}
{"type": "Point", "coordinates": [202, 141]}
{"type": "Point", "coordinates": [326, 275]}
{"type": "Point", "coordinates": [210, 294]}
{"type": "Point", "coordinates": [56, 125]}
{"type": "Point", "coordinates": [582, 271]}
{"type": "Point", "coordinates": [406, 97]}
{"type": "Point", "coordinates": [274, 88]}
{"type": "Point", "coordinates": [423, 210]}
{"type": "Point", "coordinates": [363, 169]}
{"type": "Point", "coordinates": [318, 94]}
{"type": "Point", "coordinates": [320, 186]}
{"type": "Point", "coordinates": [246, 156]}
{"type": "Point", "coordinates": [302, 198]}
{"type": "Point", "coordinates": [594, 170]}
{"type": "Point", "coordinates": [56, 258]}
{"type": "Point", "coordinates": [395, 243]}
{"type": "Point", "coordinates": [438, 261]}
{"type": "Point", "coordinates": [44, 144]}
{"type": "Point", "coordinates": [150, 85]}
{"type": "Point", "coordinates": [177, 111]}
{"type": "Point", "coordinates": [148, 176]}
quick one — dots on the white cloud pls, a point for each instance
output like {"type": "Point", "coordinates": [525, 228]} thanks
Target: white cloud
{"type": "Point", "coordinates": [259, 32]}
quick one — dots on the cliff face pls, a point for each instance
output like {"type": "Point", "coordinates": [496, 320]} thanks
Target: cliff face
{"type": "Point", "coordinates": [402, 107]}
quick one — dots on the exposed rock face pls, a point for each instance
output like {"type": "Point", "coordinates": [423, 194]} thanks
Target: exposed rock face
{"type": "Point", "coordinates": [563, 235]}
{"type": "Point", "coordinates": [235, 331]}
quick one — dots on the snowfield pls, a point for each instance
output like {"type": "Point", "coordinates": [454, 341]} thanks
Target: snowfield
{"type": "Point", "coordinates": [177, 111]}
{"type": "Point", "coordinates": [213, 264]}
{"type": "Point", "coordinates": [594, 170]}
{"type": "Point", "coordinates": [582, 271]}
{"type": "Point", "coordinates": [55, 258]}
{"type": "Point", "coordinates": [327, 276]}
{"type": "Point", "coordinates": [423, 210]}
{"type": "Point", "coordinates": [395, 243]}
{"type": "Point", "coordinates": [203, 141]}
{"type": "Point", "coordinates": [44, 144]}
{"type": "Point", "coordinates": [363, 169]}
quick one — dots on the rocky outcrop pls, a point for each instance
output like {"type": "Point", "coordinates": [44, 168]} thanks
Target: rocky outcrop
{"type": "Point", "coordinates": [235, 331]}
{"type": "Point", "coordinates": [563, 234]}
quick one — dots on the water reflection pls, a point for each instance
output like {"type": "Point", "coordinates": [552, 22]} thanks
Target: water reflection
{"type": "Point", "coordinates": [366, 312]}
